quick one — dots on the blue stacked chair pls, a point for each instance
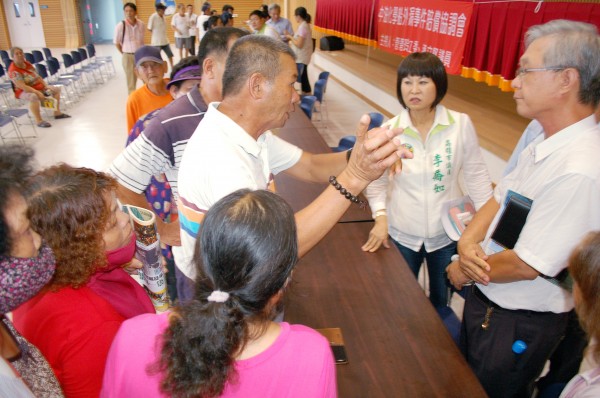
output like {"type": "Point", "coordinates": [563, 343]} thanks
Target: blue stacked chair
{"type": "Point", "coordinates": [43, 72]}
{"type": "Point", "coordinates": [67, 79]}
{"type": "Point", "coordinates": [95, 68]}
{"type": "Point", "coordinates": [324, 76]}
{"type": "Point", "coordinates": [106, 60]}
{"type": "Point", "coordinates": [376, 120]}
{"type": "Point", "coordinates": [307, 104]}
{"type": "Point", "coordinates": [69, 64]}
{"type": "Point", "coordinates": [345, 143]}
{"type": "Point", "coordinates": [29, 58]}
{"type": "Point", "coordinates": [37, 56]}
{"type": "Point", "coordinates": [319, 92]}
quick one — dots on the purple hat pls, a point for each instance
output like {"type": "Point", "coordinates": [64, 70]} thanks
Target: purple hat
{"type": "Point", "coordinates": [147, 53]}
{"type": "Point", "coordinates": [188, 73]}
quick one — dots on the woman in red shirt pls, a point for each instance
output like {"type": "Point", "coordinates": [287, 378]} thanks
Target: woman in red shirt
{"type": "Point", "coordinates": [74, 319]}
{"type": "Point", "coordinates": [30, 86]}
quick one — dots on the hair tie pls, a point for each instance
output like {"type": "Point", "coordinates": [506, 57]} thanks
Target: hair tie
{"type": "Point", "coordinates": [218, 296]}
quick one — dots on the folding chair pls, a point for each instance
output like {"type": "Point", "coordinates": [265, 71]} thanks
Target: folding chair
{"type": "Point", "coordinates": [307, 104]}
{"type": "Point", "coordinates": [105, 60]}
{"type": "Point", "coordinates": [8, 122]}
{"type": "Point", "coordinates": [54, 75]}
{"type": "Point", "coordinates": [5, 88]}
{"type": "Point", "coordinates": [37, 56]}
{"type": "Point", "coordinates": [376, 120]}
{"type": "Point", "coordinates": [71, 69]}
{"type": "Point", "coordinates": [86, 68]}
{"type": "Point", "coordinates": [324, 76]}
{"type": "Point", "coordinates": [65, 85]}
{"type": "Point", "coordinates": [96, 68]}
{"type": "Point", "coordinates": [29, 58]}
{"type": "Point", "coordinates": [345, 143]}
{"type": "Point", "coordinates": [17, 113]}
{"type": "Point", "coordinates": [319, 92]}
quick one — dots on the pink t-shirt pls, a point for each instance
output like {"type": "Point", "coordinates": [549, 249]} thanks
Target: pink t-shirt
{"type": "Point", "coordinates": [298, 364]}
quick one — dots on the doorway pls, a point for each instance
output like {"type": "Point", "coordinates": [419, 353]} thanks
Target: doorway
{"type": "Point", "coordinates": [24, 23]}
{"type": "Point", "coordinates": [99, 18]}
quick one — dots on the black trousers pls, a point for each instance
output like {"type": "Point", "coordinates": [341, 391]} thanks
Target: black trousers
{"type": "Point", "coordinates": [192, 45]}
{"type": "Point", "coordinates": [566, 359]}
{"type": "Point", "coordinates": [304, 80]}
{"type": "Point", "coordinates": [502, 373]}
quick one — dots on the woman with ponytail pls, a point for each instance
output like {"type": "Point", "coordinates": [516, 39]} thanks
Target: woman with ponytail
{"type": "Point", "coordinates": [223, 343]}
{"type": "Point", "coordinates": [302, 44]}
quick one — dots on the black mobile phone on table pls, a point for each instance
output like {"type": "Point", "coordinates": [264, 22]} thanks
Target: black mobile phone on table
{"type": "Point", "coordinates": [336, 342]}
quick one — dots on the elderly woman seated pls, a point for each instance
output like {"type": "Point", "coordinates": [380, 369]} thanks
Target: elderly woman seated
{"type": "Point", "coordinates": [74, 319]}
{"type": "Point", "coordinates": [30, 86]}
{"type": "Point", "coordinates": [26, 265]}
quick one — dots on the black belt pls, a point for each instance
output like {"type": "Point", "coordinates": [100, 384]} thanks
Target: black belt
{"type": "Point", "coordinates": [128, 53]}
{"type": "Point", "coordinates": [483, 298]}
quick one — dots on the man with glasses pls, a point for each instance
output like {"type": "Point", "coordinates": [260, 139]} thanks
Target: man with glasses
{"type": "Point", "coordinates": [150, 68]}
{"type": "Point", "coordinates": [518, 310]}
{"type": "Point", "coordinates": [281, 25]}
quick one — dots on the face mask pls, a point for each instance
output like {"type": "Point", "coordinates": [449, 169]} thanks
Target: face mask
{"type": "Point", "coordinates": [122, 255]}
{"type": "Point", "coordinates": [23, 278]}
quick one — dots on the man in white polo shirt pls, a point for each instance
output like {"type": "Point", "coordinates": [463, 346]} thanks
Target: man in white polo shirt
{"type": "Point", "coordinates": [158, 26]}
{"type": "Point", "coordinates": [233, 149]}
{"type": "Point", "coordinates": [518, 310]}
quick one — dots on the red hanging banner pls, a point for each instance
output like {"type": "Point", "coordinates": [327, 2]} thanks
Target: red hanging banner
{"type": "Point", "coordinates": [436, 26]}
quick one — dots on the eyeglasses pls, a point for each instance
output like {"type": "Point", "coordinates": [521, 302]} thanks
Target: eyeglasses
{"type": "Point", "coordinates": [523, 71]}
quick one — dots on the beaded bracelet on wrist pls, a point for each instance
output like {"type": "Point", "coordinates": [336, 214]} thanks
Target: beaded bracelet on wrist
{"type": "Point", "coordinates": [354, 199]}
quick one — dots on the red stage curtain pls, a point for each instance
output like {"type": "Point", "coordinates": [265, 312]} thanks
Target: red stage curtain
{"type": "Point", "coordinates": [348, 19]}
{"type": "Point", "coordinates": [495, 40]}
{"type": "Point", "coordinates": [495, 37]}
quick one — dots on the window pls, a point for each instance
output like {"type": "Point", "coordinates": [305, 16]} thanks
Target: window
{"type": "Point", "coordinates": [17, 10]}
{"type": "Point", "coordinates": [31, 9]}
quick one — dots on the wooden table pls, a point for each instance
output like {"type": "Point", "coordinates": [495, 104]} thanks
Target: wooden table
{"type": "Point", "coordinates": [299, 131]}
{"type": "Point", "coordinates": [397, 345]}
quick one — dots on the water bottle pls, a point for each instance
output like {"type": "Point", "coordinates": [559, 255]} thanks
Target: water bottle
{"type": "Point", "coordinates": [519, 347]}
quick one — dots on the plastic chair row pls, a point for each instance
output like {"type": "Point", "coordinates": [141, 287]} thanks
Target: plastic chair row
{"type": "Point", "coordinates": [348, 141]}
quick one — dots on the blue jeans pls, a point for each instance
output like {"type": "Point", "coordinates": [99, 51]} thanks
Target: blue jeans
{"type": "Point", "coordinates": [437, 261]}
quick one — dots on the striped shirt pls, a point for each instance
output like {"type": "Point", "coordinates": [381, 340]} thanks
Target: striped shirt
{"type": "Point", "coordinates": [160, 147]}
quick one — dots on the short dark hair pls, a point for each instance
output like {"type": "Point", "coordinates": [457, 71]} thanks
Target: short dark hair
{"type": "Point", "coordinates": [258, 13]}
{"type": "Point", "coordinates": [160, 6]}
{"type": "Point", "coordinates": [225, 18]}
{"type": "Point", "coordinates": [215, 42]}
{"type": "Point", "coordinates": [132, 5]}
{"type": "Point", "coordinates": [247, 248]}
{"type": "Point", "coordinates": [15, 168]}
{"type": "Point", "coordinates": [227, 8]}
{"type": "Point", "coordinates": [253, 54]}
{"type": "Point", "coordinates": [427, 65]}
